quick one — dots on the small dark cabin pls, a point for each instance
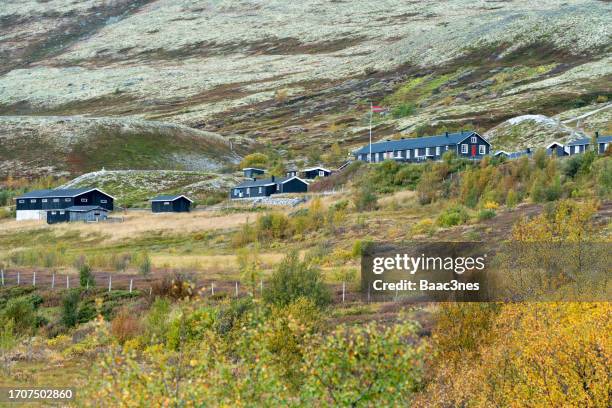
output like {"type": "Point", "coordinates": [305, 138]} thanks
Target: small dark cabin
{"type": "Point", "coordinates": [556, 149]}
{"type": "Point", "coordinates": [252, 172]}
{"type": "Point", "coordinates": [170, 203]}
{"type": "Point", "coordinates": [314, 172]}
{"type": "Point", "coordinates": [267, 187]}
{"type": "Point", "coordinates": [87, 213]}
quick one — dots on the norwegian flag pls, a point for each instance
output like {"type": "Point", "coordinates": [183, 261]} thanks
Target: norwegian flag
{"type": "Point", "coordinates": [377, 109]}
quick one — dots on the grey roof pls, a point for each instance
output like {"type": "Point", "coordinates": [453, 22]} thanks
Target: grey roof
{"type": "Point", "coordinates": [254, 168]}
{"type": "Point", "coordinates": [585, 141]}
{"type": "Point", "coordinates": [417, 143]}
{"type": "Point", "coordinates": [65, 192]}
{"type": "Point", "coordinates": [170, 198]}
{"type": "Point", "coordinates": [83, 208]}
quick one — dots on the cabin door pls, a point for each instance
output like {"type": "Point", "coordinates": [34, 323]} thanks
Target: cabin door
{"type": "Point", "coordinates": [473, 151]}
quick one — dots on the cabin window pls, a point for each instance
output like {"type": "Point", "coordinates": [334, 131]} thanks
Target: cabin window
{"type": "Point", "coordinates": [21, 201]}
{"type": "Point", "coordinates": [260, 190]}
{"type": "Point", "coordinates": [236, 191]}
{"type": "Point", "coordinates": [576, 149]}
{"type": "Point", "coordinates": [321, 173]}
{"type": "Point", "coordinates": [474, 139]}
{"type": "Point", "coordinates": [482, 149]}
{"type": "Point", "coordinates": [103, 201]}
{"type": "Point", "coordinates": [44, 200]}
{"type": "Point", "coordinates": [61, 212]}
{"type": "Point", "coordinates": [416, 152]}
{"type": "Point", "coordinates": [56, 200]}
{"type": "Point", "coordinates": [33, 201]}
{"type": "Point", "coordinates": [83, 200]}
{"type": "Point", "coordinates": [446, 148]}
{"type": "Point", "coordinates": [67, 200]}
{"type": "Point", "coordinates": [428, 151]}
{"type": "Point", "coordinates": [437, 150]}
{"type": "Point", "coordinates": [464, 148]}
{"type": "Point", "coordinates": [166, 202]}
{"type": "Point", "coordinates": [407, 154]}
{"type": "Point", "coordinates": [52, 212]}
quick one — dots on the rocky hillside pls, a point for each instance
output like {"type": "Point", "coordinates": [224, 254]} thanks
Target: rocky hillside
{"type": "Point", "coordinates": [36, 145]}
{"type": "Point", "coordinates": [136, 187]}
{"type": "Point", "coordinates": [291, 73]}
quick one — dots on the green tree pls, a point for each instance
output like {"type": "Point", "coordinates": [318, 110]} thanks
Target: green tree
{"type": "Point", "coordinates": [8, 340]}
{"type": "Point", "coordinates": [21, 310]}
{"type": "Point", "coordinates": [365, 198]}
{"type": "Point", "coordinates": [70, 308]}
{"type": "Point", "coordinates": [293, 279]}
{"type": "Point", "coordinates": [144, 266]}
{"type": "Point", "coordinates": [86, 278]}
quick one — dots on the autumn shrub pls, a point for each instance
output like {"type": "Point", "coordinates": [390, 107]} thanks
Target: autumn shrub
{"type": "Point", "coordinates": [426, 226]}
{"type": "Point", "coordinates": [272, 226]}
{"type": "Point", "coordinates": [177, 286]}
{"type": "Point", "coordinates": [364, 365]}
{"type": "Point", "coordinates": [365, 198]}
{"type": "Point", "coordinates": [452, 216]}
{"type": "Point", "coordinates": [125, 326]}
{"type": "Point", "coordinates": [360, 246]}
{"type": "Point", "coordinates": [486, 214]}
{"type": "Point", "coordinates": [157, 321]}
{"type": "Point", "coordinates": [293, 279]}
{"type": "Point", "coordinates": [22, 312]}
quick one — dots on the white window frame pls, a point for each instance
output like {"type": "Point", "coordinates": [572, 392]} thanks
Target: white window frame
{"type": "Point", "coordinates": [438, 150]}
{"type": "Point", "coordinates": [428, 151]}
{"type": "Point", "coordinates": [52, 212]}
{"type": "Point", "coordinates": [446, 147]}
{"type": "Point", "coordinates": [576, 149]}
{"type": "Point", "coordinates": [473, 139]}
{"type": "Point", "coordinates": [321, 173]}
{"type": "Point", "coordinates": [260, 190]}
{"type": "Point", "coordinates": [166, 202]}
{"type": "Point", "coordinates": [67, 199]}
{"type": "Point", "coordinates": [416, 153]}
{"type": "Point", "coordinates": [62, 212]}
{"type": "Point", "coordinates": [33, 200]}
{"type": "Point", "coordinates": [103, 201]}
{"type": "Point", "coordinates": [56, 200]}
{"type": "Point", "coordinates": [21, 201]}
{"type": "Point", "coordinates": [236, 191]}
{"type": "Point", "coordinates": [83, 200]}
{"type": "Point", "coordinates": [482, 150]}
{"type": "Point", "coordinates": [464, 148]}
{"type": "Point", "coordinates": [44, 200]}
{"type": "Point", "coordinates": [407, 153]}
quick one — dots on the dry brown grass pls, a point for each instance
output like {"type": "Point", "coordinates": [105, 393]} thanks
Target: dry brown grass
{"type": "Point", "coordinates": [138, 223]}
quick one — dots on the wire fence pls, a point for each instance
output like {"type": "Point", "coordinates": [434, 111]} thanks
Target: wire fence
{"type": "Point", "coordinates": [342, 293]}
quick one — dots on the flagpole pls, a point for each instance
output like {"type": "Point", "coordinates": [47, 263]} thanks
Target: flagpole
{"type": "Point", "coordinates": [370, 131]}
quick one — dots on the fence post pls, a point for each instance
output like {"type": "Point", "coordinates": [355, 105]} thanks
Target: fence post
{"type": "Point", "coordinates": [87, 285]}
{"type": "Point", "coordinates": [18, 278]}
{"type": "Point", "coordinates": [236, 289]}
{"type": "Point", "coordinates": [67, 282]}
{"type": "Point", "coordinates": [53, 281]}
{"type": "Point", "coordinates": [261, 287]}
{"type": "Point", "coordinates": [34, 279]}
{"type": "Point", "coordinates": [2, 276]}
{"type": "Point", "coordinates": [212, 288]}
{"type": "Point", "coordinates": [110, 282]}
{"type": "Point", "coordinates": [343, 291]}
{"type": "Point", "coordinates": [131, 284]}
{"type": "Point", "coordinates": [150, 291]}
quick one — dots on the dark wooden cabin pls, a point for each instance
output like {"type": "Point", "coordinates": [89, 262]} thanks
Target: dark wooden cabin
{"type": "Point", "coordinates": [171, 203]}
{"type": "Point", "coordinates": [34, 204]}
